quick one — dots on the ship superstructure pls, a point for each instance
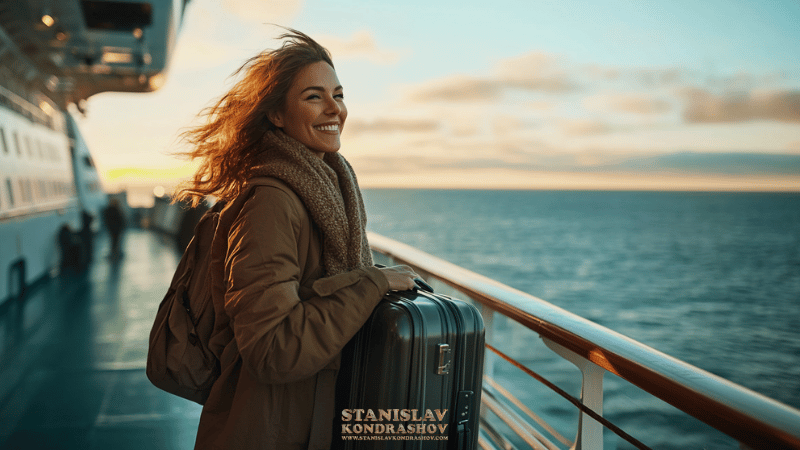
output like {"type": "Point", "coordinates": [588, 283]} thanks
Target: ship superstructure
{"type": "Point", "coordinates": [55, 54]}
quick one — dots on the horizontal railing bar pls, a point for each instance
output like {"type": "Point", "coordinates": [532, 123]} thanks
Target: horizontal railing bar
{"type": "Point", "coordinates": [39, 208]}
{"type": "Point", "coordinates": [505, 393]}
{"type": "Point", "coordinates": [520, 427]}
{"type": "Point", "coordinates": [751, 418]}
{"type": "Point", "coordinates": [490, 436]}
{"type": "Point", "coordinates": [583, 408]}
{"type": "Point", "coordinates": [485, 444]}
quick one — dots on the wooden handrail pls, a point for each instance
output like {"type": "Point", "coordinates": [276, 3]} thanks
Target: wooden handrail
{"type": "Point", "coordinates": [749, 417]}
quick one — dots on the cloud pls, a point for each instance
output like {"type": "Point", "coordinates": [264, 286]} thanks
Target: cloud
{"type": "Point", "coordinates": [535, 71]}
{"type": "Point", "coordinates": [540, 105]}
{"type": "Point", "coordinates": [733, 164]}
{"type": "Point", "coordinates": [653, 78]}
{"type": "Point", "coordinates": [583, 127]}
{"type": "Point", "coordinates": [597, 72]}
{"type": "Point", "coordinates": [643, 104]}
{"type": "Point", "coordinates": [261, 11]}
{"type": "Point", "coordinates": [641, 77]}
{"type": "Point", "coordinates": [385, 126]}
{"type": "Point", "coordinates": [505, 125]}
{"type": "Point", "coordinates": [360, 45]}
{"type": "Point", "coordinates": [458, 89]}
{"type": "Point", "coordinates": [702, 106]}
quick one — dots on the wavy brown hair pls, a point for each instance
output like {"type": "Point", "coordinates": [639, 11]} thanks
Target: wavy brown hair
{"type": "Point", "coordinates": [229, 141]}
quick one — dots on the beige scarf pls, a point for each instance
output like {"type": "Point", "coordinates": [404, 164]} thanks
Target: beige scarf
{"type": "Point", "coordinates": [330, 192]}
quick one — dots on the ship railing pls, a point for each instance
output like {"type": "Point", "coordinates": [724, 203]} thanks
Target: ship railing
{"type": "Point", "coordinates": [754, 420]}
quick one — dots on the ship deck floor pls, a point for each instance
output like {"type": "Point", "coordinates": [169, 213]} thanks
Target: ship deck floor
{"type": "Point", "coordinates": [76, 380]}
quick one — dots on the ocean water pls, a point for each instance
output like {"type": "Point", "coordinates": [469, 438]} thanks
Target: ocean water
{"type": "Point", "coordinates": [712, 279]}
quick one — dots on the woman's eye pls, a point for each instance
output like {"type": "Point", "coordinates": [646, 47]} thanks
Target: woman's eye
{"type": "Point", "coordinates": [339, 96]}
{"type": "Point", "coordinates": [312, 97]}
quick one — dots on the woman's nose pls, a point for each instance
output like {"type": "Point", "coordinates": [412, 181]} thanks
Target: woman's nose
{"type": "Point", "coordinates": [333, 107]}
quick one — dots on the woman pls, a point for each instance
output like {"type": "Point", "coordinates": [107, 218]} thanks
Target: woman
{"type": "Point", "coordinates": [298, 275]}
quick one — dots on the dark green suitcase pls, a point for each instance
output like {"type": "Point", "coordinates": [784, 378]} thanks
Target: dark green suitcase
{"type": "Point", "coordinates": [412, 377]}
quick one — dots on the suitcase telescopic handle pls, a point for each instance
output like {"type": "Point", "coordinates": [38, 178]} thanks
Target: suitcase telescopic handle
{"type": "Point", "coordinates": [420, 283]}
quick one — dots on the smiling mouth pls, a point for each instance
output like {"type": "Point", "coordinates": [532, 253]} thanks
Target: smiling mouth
{"type": "Point", "coordinates": [332, 127]}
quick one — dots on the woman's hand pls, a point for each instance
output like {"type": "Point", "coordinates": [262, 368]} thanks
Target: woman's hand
{"type": "Point", "coordinates": [401, 278]}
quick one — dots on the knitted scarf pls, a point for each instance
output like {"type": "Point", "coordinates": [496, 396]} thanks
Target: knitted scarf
{"type": "Point", "coordinates": [330, 192]}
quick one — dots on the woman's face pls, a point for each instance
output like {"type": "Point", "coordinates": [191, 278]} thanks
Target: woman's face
{"type": "Point", "coordinates": [314, 113]}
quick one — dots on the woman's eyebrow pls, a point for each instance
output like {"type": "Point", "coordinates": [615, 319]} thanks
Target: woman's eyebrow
{"type": "Point", "coordinates": [319, 88]}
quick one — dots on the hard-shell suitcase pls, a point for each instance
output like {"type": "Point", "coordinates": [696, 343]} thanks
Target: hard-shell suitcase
{"type": "Point", "coordinates": [411, 378]}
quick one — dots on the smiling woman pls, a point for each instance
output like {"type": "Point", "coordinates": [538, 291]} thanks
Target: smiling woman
{"type": "Point", "coordinates": [291, 277]}
{"type": "Point", "coordinates": [314, 113]}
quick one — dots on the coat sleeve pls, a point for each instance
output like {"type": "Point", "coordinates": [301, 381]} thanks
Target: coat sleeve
{"type": "Point", "coordinates": [281, 338]}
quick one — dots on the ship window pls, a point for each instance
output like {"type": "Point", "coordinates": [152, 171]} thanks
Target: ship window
{"type": "Point", "coordinates": [10, 191]}
{"type": "Point", "coordinates": [16, 144]}
{"type": "Point", "coordinates": [28, 146]}
{"type": "Point", "coordinates": [23, 194]}
{"type": "Point", "coordinates": [3, 139]}
{"type": "Point", "coordinates": [116, 16]}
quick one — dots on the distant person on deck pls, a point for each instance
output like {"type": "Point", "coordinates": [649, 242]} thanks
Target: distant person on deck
{"type": "Point", "coordinates": [114, 219]}
{"type": "Point", "coordinates": [298, 279]}
{"type": "Point", "coordinates": [87, 237]}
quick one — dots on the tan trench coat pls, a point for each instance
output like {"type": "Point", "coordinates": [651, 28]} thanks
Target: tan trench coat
{"type": "Point", "coordinates": [288, 324]}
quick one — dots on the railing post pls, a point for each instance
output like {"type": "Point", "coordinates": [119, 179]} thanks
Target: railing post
{"type": "Point", "coordinates": [488, 324]}
{"type": "Point", "coordinates": [590, 432]}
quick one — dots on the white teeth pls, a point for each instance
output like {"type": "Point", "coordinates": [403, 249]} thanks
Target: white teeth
{"type": "Point", "coordinates": [328, 127]}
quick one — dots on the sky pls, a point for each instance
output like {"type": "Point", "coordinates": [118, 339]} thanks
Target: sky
{"type": "Point", "coordinates": [513, 94]}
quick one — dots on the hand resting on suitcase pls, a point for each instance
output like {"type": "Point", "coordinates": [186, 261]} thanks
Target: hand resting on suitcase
{"type": "Point", "coordinates": [401, 278]}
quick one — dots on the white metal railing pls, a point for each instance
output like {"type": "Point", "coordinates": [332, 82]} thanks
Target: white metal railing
{"type": "Point", "coordinates": [752, 419]}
